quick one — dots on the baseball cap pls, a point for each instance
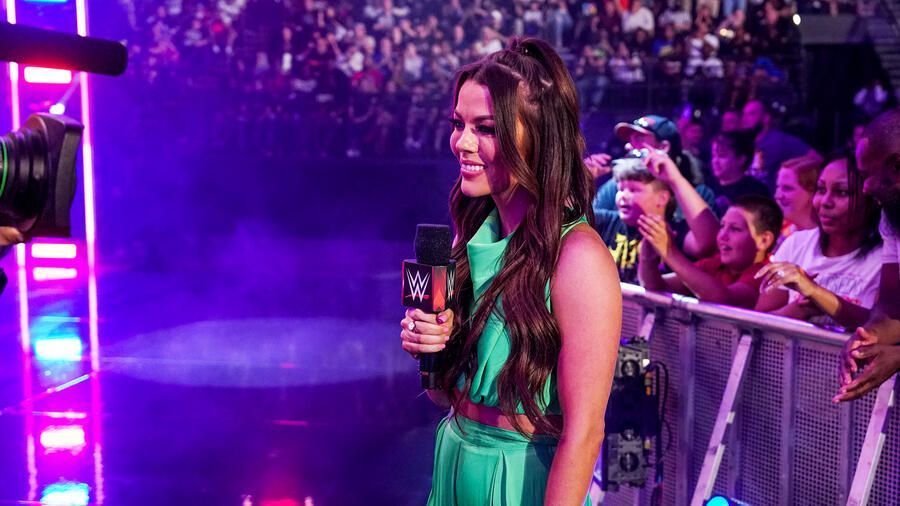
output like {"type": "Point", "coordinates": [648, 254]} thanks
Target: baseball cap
{"type": "Point", "coordinates": [660, 127]}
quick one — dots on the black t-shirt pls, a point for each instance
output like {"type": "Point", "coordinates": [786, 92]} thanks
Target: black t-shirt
{"type": "Point", "coordinates": [728, 194]}
{"type": "Point", "coordinates": [624, 242]}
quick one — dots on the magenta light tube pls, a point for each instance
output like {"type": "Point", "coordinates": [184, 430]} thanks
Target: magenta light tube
{"type": "Point", "coordinates": [90, 230]}
{"type": "Point", "coordinates": [42, 75]}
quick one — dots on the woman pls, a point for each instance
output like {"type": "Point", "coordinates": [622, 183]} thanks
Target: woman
{"type": "Point", "coordinates": [795, 187]}
{"type": "Point", "coordinates": [528, 384]}
{"type": "Point", "coordinates": [832, 271]}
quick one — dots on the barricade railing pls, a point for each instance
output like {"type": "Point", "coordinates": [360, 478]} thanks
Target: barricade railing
{"type": "Point", "coordinates": [749, 412]}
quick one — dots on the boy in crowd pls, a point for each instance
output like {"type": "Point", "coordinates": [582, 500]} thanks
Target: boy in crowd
{"type": "Point", "coordinates": [651, 186]}
{"type": "Point", "coordinates": [648, 132]}
{"type": "Point", "coordinates": [749, 231]}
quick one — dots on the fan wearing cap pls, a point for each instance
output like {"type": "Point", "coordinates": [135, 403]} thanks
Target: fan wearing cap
{"type": "Point", "coordinates": [650, 186]}
{"type": "Point", "coordinates": [656, 133]}
{"type": "Point", "coordinates": [647, 132]}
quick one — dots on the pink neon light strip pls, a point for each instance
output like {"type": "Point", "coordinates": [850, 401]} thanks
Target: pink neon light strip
{"type": "Point", "coordinates": [20, 249]}
{"type": "Point", "coordinates": [97, 431]}
{"type": "Point", "coordinates": [14, 94]}
{"type": "Point", "coordinates": [24, 331]}
{"type": "Point", "coordinates": [13, 70]}
{"type": "Point", "coordinates": [41, 75]}
{"type": "Point", "coordinates": [11, 11]}
{"type": "Point", "coordinates": [90, 224]}
{"type": "Point", "coordinates": [57, 251]}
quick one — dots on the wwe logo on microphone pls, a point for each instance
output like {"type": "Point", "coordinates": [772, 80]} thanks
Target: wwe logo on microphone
{"type": "Point", "coordinates": [418, 284]}
{"type": "Point", "coordinates": [428, 287]}
{"type": "Point", "coordinates": [451, 283]}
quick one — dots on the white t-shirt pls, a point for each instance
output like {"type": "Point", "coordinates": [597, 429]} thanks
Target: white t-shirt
{"type": "Point", "coordinates": [675, 17]}
{"type": "Point", "coordinates": [632, 21]}
{"type": "Point", "coordinates": [854, 279]}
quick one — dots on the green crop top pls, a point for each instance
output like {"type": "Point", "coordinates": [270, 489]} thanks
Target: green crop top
{"type": "Point", "coordinates": [485, 251]}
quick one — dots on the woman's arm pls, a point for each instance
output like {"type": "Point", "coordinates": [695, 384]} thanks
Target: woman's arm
{"type": "Point", "coordinates": [771, 301]}
{"type": "Point", "coordinates": [706, 287]}
{"type": "Point", "coordinates": [843, 311]}
{"type": "Point", "coordinates": [587, 305]}
{"type": "Point", "coordinates": [796, 310]}
{"type": "Point", "coordinates": [791, 276]}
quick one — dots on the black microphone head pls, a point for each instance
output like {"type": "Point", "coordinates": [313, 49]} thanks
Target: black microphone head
{"type": "Point", "coordinates": [61, 50]}
{"type": "Point", "coordinates": [433, 243]}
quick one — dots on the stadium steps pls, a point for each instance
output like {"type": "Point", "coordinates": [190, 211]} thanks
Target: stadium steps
{"type": "Point", "coordinates": [884, 32]}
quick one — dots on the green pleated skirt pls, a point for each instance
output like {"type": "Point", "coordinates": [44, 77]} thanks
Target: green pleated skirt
{"type": "Point", "coordinates": [481, 465]}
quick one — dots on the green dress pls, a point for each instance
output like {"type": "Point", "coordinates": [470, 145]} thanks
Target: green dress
{"type": "Point", "coordinates": [477, 464]}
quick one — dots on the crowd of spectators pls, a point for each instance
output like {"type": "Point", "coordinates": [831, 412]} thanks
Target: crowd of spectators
{"type": "Point", "coordinates": [762, 221]}
{"type": "Point", "coordinates": [372, 77]}
{"type": "Point", "coordinates": [824, 250]}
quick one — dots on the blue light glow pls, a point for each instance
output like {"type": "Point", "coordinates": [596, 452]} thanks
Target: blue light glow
{"type": "Point", "coordinates": [63, 348]}
{"type": "Point", "coordinates": [67, 493]}
{"type": "Point", "coordinates": [718, 501]}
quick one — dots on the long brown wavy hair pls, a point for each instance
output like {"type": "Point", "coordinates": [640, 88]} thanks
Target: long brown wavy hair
{"type": "Point", "coordinates": [527, 82]}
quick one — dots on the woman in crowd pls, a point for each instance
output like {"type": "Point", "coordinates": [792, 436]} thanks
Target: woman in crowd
{"type": "Point", "coordinates": [829, 273]}
{"type": "Point", "coordinates": [528, 365]}
{"type": "Point", "coordinates": [795, 187]}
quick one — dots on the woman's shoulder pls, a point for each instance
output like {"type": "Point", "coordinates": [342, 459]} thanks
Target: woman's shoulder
{"type": "Point", "coordinates": [799, 240]}
{"type": "Point", "coordinates": [583, 248]}
{"type": "Point", "coordinates": [804, 235]}
{"type": "Point", "coordinates": [585, 269]}
{"type": "Point", "coordinates": [579, 235]}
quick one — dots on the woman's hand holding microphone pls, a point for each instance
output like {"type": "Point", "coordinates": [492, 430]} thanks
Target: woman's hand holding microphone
{"type": "Point", "coordinates": [425, 333]}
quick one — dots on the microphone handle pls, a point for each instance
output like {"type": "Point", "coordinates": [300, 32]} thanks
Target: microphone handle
{"type": "Point", "coordinates": [428, 370]}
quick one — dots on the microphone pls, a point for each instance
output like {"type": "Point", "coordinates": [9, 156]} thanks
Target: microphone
{"type": "Point", "coordinates": [428, 284]}
{"type": "Point", "coordinates": [45, 48]}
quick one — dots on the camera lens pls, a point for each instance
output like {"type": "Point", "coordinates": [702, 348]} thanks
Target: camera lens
{"type": "Point", "coordinates": [37, 175]}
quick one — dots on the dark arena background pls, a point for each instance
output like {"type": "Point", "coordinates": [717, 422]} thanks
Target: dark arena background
{"type": "Point", "coordinates": [221, 328]}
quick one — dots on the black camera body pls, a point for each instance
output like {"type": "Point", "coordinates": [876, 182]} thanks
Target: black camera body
{"type": "Point", "coordinates": [38, 175]}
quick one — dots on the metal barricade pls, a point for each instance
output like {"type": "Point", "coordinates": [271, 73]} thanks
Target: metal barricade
{"type": "Point", "coordinates": [750, 414]}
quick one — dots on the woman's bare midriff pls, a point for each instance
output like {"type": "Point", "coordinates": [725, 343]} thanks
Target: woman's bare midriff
{"type": "Point", "coordinates": [492, 416]}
